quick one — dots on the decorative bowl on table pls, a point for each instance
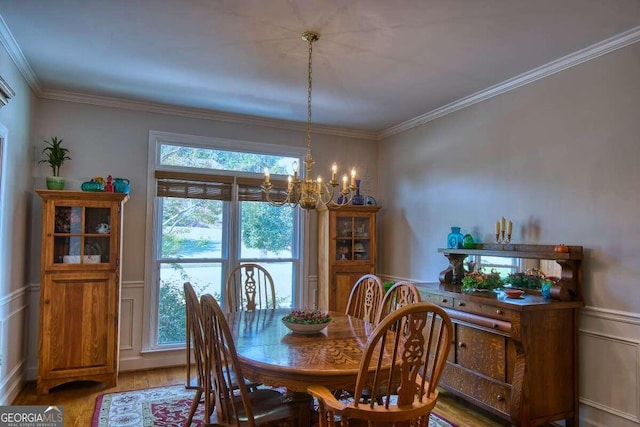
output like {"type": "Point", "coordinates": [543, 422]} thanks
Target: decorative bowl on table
{"type": "Point", "coordinates": [513, 293]}
{"type": "Point", "coordinates": [306, 321]}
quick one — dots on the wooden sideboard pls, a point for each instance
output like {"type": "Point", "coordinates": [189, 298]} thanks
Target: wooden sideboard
{"type": "Point", "coordinates": [517, 358]}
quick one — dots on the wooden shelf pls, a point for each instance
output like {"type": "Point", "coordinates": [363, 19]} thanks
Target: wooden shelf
{"type": "Point", "coordinates": [519, 251]}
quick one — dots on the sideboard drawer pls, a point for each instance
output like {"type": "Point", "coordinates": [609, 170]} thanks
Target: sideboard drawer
{"type": "Point", "coordinates": [490, 393]}
{"type": "Point", "coordinates": [483, 309]}
{"type": "Point", "coordinates": [441, 300]}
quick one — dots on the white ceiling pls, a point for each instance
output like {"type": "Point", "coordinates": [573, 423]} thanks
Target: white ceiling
{"type": "Point", "coordinates": [378, 64]}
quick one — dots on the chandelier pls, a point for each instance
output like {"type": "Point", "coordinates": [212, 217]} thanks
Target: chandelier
{"type": "Point", "coordinates": [303, 190]}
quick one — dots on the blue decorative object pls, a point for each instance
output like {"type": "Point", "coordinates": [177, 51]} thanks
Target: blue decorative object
{"type": "Point", "coordinates": [546, 289]}
{"type": "Point", "coordinates": [357, 198]}
{"type": "Point", "coordinates": [455, 238]}
{"type": "Point", "coordinates": [121, 185]}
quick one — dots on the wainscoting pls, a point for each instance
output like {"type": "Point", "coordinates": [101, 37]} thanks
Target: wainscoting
{"type": "Point", "coordinates": [609, 368]}
{"type": "Point", "coordinates": [13, 313]}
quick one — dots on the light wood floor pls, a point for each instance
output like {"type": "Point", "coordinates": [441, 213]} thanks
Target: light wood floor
{"type": "Point", "coordinates": [78, 399]}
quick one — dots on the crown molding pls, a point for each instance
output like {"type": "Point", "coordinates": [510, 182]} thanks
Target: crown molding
{"type": "Point", "coordinates": [14, 51]}
{"type": "Point", "coordinates": [606, 46]}
{"type": "Point", "coordinates": [198, 113]}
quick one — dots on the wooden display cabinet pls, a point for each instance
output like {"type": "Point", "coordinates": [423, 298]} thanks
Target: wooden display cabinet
{"type": "Point", "coordinates": [346, 252]}
{"type": "Point", "coordinates": [517, 358]}
{"type": "Point", "coordinates": [79, 287]}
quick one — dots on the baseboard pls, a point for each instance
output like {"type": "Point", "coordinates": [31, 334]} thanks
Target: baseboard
{"type": "Point", "coordinates": [152, 360]}
{"type": "Point", "coordinates": [12, 385]}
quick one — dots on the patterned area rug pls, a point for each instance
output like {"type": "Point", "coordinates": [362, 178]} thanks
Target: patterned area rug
{"type": "Point", "coordinates": [162, 407]}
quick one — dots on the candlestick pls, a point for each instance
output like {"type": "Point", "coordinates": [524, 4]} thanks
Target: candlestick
{"type": "Point", "coordinates": [503, 231]}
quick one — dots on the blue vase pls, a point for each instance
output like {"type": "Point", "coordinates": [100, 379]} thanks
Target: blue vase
{"type": "Point", "coordinates": [546, 289]}
{"type": "Point", "coordinates": [357, 198]}
{"type": "Point", "coordinates": [455, 238]}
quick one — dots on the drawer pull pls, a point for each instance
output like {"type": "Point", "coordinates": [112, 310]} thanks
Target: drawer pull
{"type": "Point", "coordinates": [461, 345]}
{"type": "Point", "coordinates": [498, 311]}
{"type": "Point", "coordinates": [461, 304]}
{"type": "Point", "coordinates": [444, 300]}
{"type": "Point", "coordinates": [495, 326]}
{"type": "Point", "coordinates": [500, 398]}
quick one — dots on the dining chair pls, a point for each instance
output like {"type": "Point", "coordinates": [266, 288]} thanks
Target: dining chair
{"type": "Point", "coordinates": [249, 287]}
{"type": "Point", "coordinates": [236, 404]}
{"type": "Point", "coordinates": [415, 341]}
{"type": "Point", "coordinates": [365, 298]}
{"type": "Point", "coordinates": [398, 295]}
{"type": "Point", "coordinates": [195, 335]}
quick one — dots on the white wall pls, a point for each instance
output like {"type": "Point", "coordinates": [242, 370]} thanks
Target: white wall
{"type": "Point", "coordinates": [114, 141]}
{"type": "Point", "coordinates": [560, 157]}
{"type": "Point", "coordinates": [15, 127]}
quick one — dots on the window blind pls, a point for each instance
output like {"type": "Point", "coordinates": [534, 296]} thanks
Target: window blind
{"type": "Point", "coordinates": [215, 187]}
{"type": "Point", "coordinates": [193, 186]}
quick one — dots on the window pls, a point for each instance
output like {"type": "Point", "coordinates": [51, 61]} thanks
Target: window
{"type": "Point", "coordinates": [502, 265]}
{"type": "Point", "coordinates": [209, 216]}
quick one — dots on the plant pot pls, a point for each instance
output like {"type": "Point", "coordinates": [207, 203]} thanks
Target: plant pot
{"type": "Point", "coordinates": [55, 183]}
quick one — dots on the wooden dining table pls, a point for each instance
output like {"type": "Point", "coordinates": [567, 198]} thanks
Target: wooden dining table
{"type": "Point", "coordinates": [271, 354]}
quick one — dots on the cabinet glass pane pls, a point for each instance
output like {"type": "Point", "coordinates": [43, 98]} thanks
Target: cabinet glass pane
{"type": "Point", "coordinates": [361, 228]}
{"type": "Point", "coordinates": [97, 220]}
{"type": "Point", "coordinates": [68, 219]}
{"type": "Point", "coordinates": [345, 226]}
{"type": "Point", "coordinates": [98, 248]}
{"type": "Point", "coordinates": [343, 249]}
{"type": "Point", "coordinates": [361, 250]}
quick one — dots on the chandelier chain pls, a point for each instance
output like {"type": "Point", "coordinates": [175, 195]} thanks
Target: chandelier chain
{"type": "Point", "coordinates": [310, 81]}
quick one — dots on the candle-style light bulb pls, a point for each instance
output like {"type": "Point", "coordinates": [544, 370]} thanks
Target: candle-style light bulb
{"type": "Point", "coordinates": [334, 171]}
{"type": "Point", "coordinates": [266, 175]}
{"type": "Point", "coordinates": [353, 177]}
{"type": "Point", "coordinates": [344, 183]}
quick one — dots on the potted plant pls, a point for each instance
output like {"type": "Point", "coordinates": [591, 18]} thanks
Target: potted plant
{"type": "Point", "coordinates": [55, 155]}
{"type": "Point", "coordinates": [479, 281]}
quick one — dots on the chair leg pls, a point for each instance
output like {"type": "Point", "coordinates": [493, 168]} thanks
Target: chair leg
{"type": "Point", "coordinates": [194, 406]}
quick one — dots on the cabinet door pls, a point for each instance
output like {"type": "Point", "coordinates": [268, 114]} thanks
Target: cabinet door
{"type": "Point", "coordinates": [353, 237]}
{"type": "Point", "coordinates": [80, 232]}
{"type": "Point", "coordinates": [481, 351]}
{"type": "Point", "coordinates": [78, 323]}
{"type": "Point", "coordinates": [341, 289]}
